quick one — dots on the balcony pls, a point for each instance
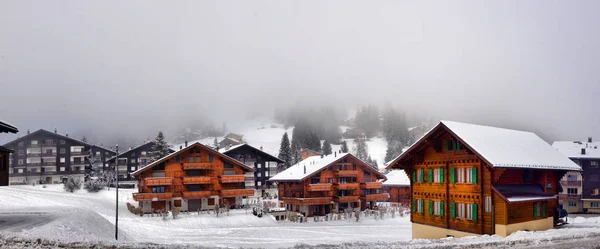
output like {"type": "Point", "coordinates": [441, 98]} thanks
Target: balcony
{"type": "Point", "coordinates": [233, 179]}
{"type": "Point", "coordinates": [34, 153]}
{"type": "Point", "coordinates": [196, 194]}
{"type": "Point", "coordinates": [159, 181]}
{"type": "Point", "coordinates": [319, 187]}
{"type": "Point", "coordinates": [74, 153]}
{"type": "Point", "coordinates": [346, 186]}
{"type": "Point", "coordinates": [377, 197]}
{"type": "Point", "coordinates": [371, 185]}
{"type": "Point", "coordinates": [152, 196]}
{"type": "Point", "coordinates": [348, 173]}
{"type": "Point", "coordinates": [48, 154]}
{"type": "Point", "coordinates": [350, 198]}
{"type": "Point", "coordinates": [197, 180]}
{"type": "Point", "coordinates": [237, 192]}
{"type": "Point", "coordinates": [308, 201]}
{"type": "Point", "coordinates": [196, 166]}
{"type": "Point", "coordinates": [571, 197]}
{"type": "Point", "coordinates": [570, 183]}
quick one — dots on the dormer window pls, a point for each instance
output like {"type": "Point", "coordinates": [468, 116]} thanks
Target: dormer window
{"type": "Point", "coordinates": [453, 144]}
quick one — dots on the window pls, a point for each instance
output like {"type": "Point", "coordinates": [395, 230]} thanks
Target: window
{"type": "Point", "coordinates": [452, 145]}
{"type": "Point", "coordinates": [61, 169]}
{"type": "Point", "coordinates": [595, 192]}
{"type": "Point", "coordinates": [211, 201]}
{"type": "Point", "coordinates": [227, 165]}
{"type": "Point", "coordinates": [539, 210]}
{"type": "Point", "coordinates": [438, 175]}
{"type": "Point", "coordinates": [329, 180]}
{"type": "Point", "coordinates": [97, 153]}
{"type": "Point", "coordinates": [132, 168]}
{"type": "Point", "coordinates": [143, 153]}
{"type": "Point", "coordinates": [488, 204]}
{"type": "Point", "coordinates": [177, 158]}
{"type": "Point", "coordinates": [62, 159]}
{"type": "Point", "coordinates": [463, 211]}
{"type": "Point", "coordinates": [20, 161]}
{"type": "Point", "coordinates": [594, 164]}
{"type": "Point", "coordinates": [572, 191]}
{"type": "Point", "coordinates": [20, 171]}
{"type": "Point", "coordinates": [62, 141]}
{"type": "Point", "coordinates": [258, 183]}
{"type": "Point", "coordinates": [594, 204]}
{"type": "Point", "coordinates": [158, 189]}
{"type": "Point", "coordinates": [63, 150]}
{"type": "Point", "coordinates": [198, 159]}
{"type": "Point", "coordinates": [211, 158]}
{"type": "Point", "coordinates": [419, 175]}
{"type": "Point", "coordinates": [190, 159]}
{"type": "Point", "coordinates": [21, 144]}
{"type": "Point", "coordinates": [133, 160]}
{"type": "Point", "coordinates": [353, 166]}
{"type": "Point", "coordinates": [418, 206]}
{"type": "Point", "coordinates": [436, 208]}
{"type": "Point", "coordinates": [34, 142]}
{"type": "Point", "coordinates": [572, 204]}
{"type": "Point", "coordinates": [21, 152]}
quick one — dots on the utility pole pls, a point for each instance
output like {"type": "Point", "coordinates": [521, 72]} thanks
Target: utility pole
{"type": "Point", "coordinates": [117, 195]}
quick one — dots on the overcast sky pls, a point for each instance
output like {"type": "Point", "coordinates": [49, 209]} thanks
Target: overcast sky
{"type": "Point", "coordinates": [132, 67]}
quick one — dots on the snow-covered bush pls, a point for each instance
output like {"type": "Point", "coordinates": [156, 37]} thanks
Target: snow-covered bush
{"type": "Point", "coordinates": [72, 184]}
{"type": "Point", "coordinates": [93, 185]}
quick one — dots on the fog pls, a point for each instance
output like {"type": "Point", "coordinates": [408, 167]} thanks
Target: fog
{"type": "Point", "coordinates": [109, 69]}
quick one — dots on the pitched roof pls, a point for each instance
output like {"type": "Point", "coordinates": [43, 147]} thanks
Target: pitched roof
{"type": "Point", "coordinates": [313, 165]}
{"type": "Point", "coordinates": [134, 148]}
{"type": "Point", "coordinates": [501, 147]}
{"type": "Point", "coordinates": [522, 192]}
{"type": "Point", "coordinates": [397, 178]}
{"type": "Point", "coordinates": [4, 149]}
{"type": "Point", "coordinates": [572, 149]}
{"type": "Point", "coordinates": [6, 128]}
{"type": "Point", "coordinates": [56, 135]}
{"type": "Point", "coordinates": [232, 149]}
{"type": "Point", "coordinates": [231, 160]}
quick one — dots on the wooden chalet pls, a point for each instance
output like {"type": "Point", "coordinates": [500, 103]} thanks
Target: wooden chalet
{"type": "Point", "coordinates": [5, 154]}
{"type": "Point", "coordinates": [306, 153]}
{"type": "Point", "coordinates": [334, 183]}
{"type": "Point", "coordinates": [193, 178]}
{"type": "Point", "coordinates": [265, 165]}
{"type": "Point", "coordinates": [397, 186]}
{"type": "Point", "coordinates": [470, 180]}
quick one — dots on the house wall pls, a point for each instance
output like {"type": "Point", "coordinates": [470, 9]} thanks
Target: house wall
{"type": "Point", "coordinates": [420, 231]}
{"type": "Point", "coordinates": [4, 165]}
{"type": "Point", "coordinates": [591, 206]}
{"type": "Point", "coordinates": [570, 201]}
{"type": "Point", "coordinates": [259, 162]}
{"type": "Point", "coordinates": [398, 194]}
{"type": "Point", "coordinates": [535, 225]}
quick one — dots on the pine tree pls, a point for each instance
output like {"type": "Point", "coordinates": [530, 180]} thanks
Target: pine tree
{"type": "Point", "coordinates": [285, 151]}
{"type": "Point", "coordinates": [326, 149]}
{"type": "Point", "coordinates": [160, 148]}
{"type": "Point", "coordinates": [394, 149]}
{"type": "Point", "coordinates": [215, 143]}
{"type": "Point", "coordinates": [344, 147]}
{"type": "Point", "coordinates": [296, 157]}
{"type": "Point", "coordinates": [361, 149]}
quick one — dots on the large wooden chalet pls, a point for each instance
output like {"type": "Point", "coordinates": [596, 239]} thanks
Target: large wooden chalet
{"type": "Point", "coordinates": [397, 186]}
{"type": "Point", "coordinates": [470, 180]}
{"type": "Point", "coordinates": [337, 182]}
{"type": "Point", "coordinates": [193, 178]}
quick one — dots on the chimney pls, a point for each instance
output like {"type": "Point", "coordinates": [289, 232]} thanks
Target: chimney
{"type": "Point", "coordinates": [67, 134]}
{"type": "Point", "coordinates": [589, 139]}
{"type": "Point", "coordinates": [305, 169]}
{"type": "Point", "coordinates": [583, 151]}
{"type": "Point", "coordinates": [55, 130]}
{"type": "Point", "coordinates": [27, 131]}
{"type": "Point", "coordinates": [335, 154]}
{"type": "Point", "coordinates": [261, 148]}
{"type": "Point", "coordinates": [185, 143]}
{"type": "Point", "coordinates": [180, 147]}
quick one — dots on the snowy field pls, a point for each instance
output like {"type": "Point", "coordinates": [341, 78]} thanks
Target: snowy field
{"type": "Point", "coordinates": [28, 213]}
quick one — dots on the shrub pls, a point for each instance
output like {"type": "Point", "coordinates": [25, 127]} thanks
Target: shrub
{"type": "Point", "coordinates": [93, 185]}
{"type": "Point", "coordinates": [72, 184]}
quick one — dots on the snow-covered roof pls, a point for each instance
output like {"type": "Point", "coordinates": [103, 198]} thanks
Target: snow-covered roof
{"type": "Point", "coordinates": [223, 150]}
{"type": "Point", "coordinates": [505, 148]}
{"type": "Point", "coordinates": [529, 198]}
{"type": "Point", "coordinates": [6, 127]}
{"type": "Point", "coordinates": [232, 148]}
{"type": "Point", "coordinates": [572, 149]}
{"type": "Point", "coordinates": [397, 178]}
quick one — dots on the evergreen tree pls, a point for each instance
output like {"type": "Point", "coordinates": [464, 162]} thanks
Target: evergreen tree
{"type": "Point", "coordinates": [367, 119]}
{"type": "Point", "coordinates": [160, 148]}
{"type": "Point", "coordinates": [344, 147]}
{"type": "Point", "coordinates": [361, 150]}
{"type": "Point", "coordinates": [326, 149]}
{"type": "Point", "coordinates": [296, 157]}
{"type": "Point", "coordinates": [394, 149]}
{"type": "Point", "coordinates": [285, 151]}
{"type": "Point", "coordinates": [215, 143]}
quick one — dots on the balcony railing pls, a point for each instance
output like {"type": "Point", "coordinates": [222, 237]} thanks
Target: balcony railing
{"type": "Point", "coordinates": [571, 183]}
{"type": "Point", "coordinates": [319, 187]}
{"type": "Point", "coordinates": [377, 197]}
{"type": "Point", "coordinates": [197, 180]}
{"type": "Point", "coordinates": [569, 197]}
{"type": "Point", "coordinates": [350, 198]}
{"type": "Point", "coordinates": [347, 172]}
{"type": "Point", "coordinates": [159, 181]}
{"type": "Point", "coordinates": [237, 192]}
{"type": "Point", "coordinates": [371, 185]}
{"type": "Point", "coordinates": [73, 153]}
{"type": "Point", "coordinates": [196, 194]}
{"type": "Point", "coordinates": [233, 178]}
{"type": "Point", "coordinates": [197, 166]}
{"type": "Point", "coordinates": [49, 154]}
{"type": "Point", "coordinates": [152, 196]}
{"type": "Point", "coordinates": [345, 186]}
{"type": "Point", "coordinates": [34, 153]}
{"type": "Point", "coordinates": [308, 201]}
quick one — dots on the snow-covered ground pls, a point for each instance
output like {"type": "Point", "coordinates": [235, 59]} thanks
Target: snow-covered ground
{"type": "Point", "coordinates": [34, 212]}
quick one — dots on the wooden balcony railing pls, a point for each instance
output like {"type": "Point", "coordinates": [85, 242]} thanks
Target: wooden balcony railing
{"type": "Point", "coordinates": [196, 166]}
{"type": "Point", "coordinates": [350, 198]}
{"type": "Point", "coordinates": [197, 180]}
{"type": "Point", "coordinates": [347, 173]}
{"type": "Point", "coordinates": [308, 201]}
{"type": "Point", "coordinates": [233, 178]}
{"type": "Point", "coordinates": [237, 192]}
{"type": "Point", "coordinates": [159, 181]}
{"type": "Point", "coordinates": [152, 196]}
{"type": "Point", "coordinates": [196, 194]}
{"type": "Point", "coordinates": [345, 186]}
{"type": "Point", "coordinates": [377, 197]}
{"type": "Point", "coordinates": [319, 187]}
{"type": "Point", "coordinates": [371, 185]}
{"type": "Point", "coordinates": [569, 197]}
{"type": "Point", "coordinates": [571, 183]}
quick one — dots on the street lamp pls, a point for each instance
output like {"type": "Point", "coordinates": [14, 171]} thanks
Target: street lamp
{"type": "Point", "coordinates": [117, 194]}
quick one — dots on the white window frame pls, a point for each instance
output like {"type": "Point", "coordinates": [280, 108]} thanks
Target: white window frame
{"type": "Point", "coordinates": [469, 209]}
{"type": "Point", "coordinates": [469, 175]}
{"type": "Point", "coordinates": [437, 208]}
{"type": "Point", "coordinates": [20, 171]}
{"type": "Point", "coordinates": [420, 206]}
{"type": "Point", "coordinates": [132, 168]}
{"type": "Point", "coordinates": [34, 142]}
{"type": "Point", "coordinates": [594, 204]}
{"type": "Point", "coordinates": [418, 175]}
{"type": "Point", "coordinates": [488, 204]}
{"type": "Point", "coordinates": [62, 159]}
{"type": "Point", "coordinates": [61, 169]}
{"type": "Point", "coordinates": [572, 204]}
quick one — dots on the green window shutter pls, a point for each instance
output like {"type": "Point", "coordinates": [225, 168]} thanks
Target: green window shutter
{"type": "Point", "coordinates": [474, 209]}
{"type": "Point", "coordinates": [430, 206]}
{"type": "Point", "coordinates": [453, 145]}
{"type": "Point", "coordinates": [474, 174]}
{"type": "Point", "coordinates": [447, 145]}
{"type": "Point", "coordinates": [543, 209]}
{"type": "Point", "coordinates": [452, 210]}
{"type": "Point", "coordinates": [457, 145]}
{"type": "Point", "coordinates": [430, 175]}
{"type": "Point", "coordinates": [442, 208]}
{"type": "Point", "coordinates": [414, 206]}
{"type": "Point", "coordinates": [422, 176]}
{"type": "Point", "coordinates": [442, 175]}
{"type": "Point", "coordinates": [421, 205]}
{"type": "Point", "coordinates": [452, 173]}
{"type": "Point", "coordinates": [535, 210]}
{"type": "Point", "coordinates": [414, 175]}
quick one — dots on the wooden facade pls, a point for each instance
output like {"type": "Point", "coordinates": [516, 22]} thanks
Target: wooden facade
{"type": "Point", "coordinates": [456, 192]}
{"type": "Point", "coordinates": [346, 183]}
{"type": "Point", "coordinates": [193, 178]}
{"type": "Point", "coordinates": [306, 153]}
{"type": "Point", "coordinates": [399, 194]}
